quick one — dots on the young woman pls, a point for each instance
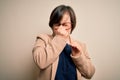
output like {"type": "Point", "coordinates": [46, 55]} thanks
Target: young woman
{"type": "Point", "coordinates": [58, 56]}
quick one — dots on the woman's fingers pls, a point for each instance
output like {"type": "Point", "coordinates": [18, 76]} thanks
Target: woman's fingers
{"type": "Point", "coordinates": [75, 47]}
{"type": "Point", "coordinates": [62, 31]}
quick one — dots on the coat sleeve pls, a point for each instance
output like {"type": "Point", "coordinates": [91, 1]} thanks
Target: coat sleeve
{"type": "Point", "coordinates": [83, 63]}
{"type": "Point", "coordinates": [46, 52]}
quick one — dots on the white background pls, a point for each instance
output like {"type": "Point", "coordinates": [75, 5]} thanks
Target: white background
{"type": "Point", "coordinates": [98, 25]}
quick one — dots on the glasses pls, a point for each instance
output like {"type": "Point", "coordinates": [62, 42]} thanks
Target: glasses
{"type": "Point", "coordinates": [66, 24]}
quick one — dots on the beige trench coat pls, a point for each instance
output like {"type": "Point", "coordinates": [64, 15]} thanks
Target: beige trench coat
{"type": "Point", "coordinates": [46, 55]}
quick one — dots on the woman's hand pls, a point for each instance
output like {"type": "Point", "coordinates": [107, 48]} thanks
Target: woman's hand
{"type": "Point", "coordinates": [62, 31]}
{"type": "Point", "coordinates": [76, 48]}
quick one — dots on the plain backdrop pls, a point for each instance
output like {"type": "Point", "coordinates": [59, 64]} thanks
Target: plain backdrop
{"type": "Point", "coordinates": [98, 25]}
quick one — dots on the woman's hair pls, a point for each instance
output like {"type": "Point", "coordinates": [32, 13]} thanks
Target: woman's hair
{"type": "Point", "coordinates": [57, 15]}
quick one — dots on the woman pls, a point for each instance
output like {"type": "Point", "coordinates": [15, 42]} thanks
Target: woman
{"type": "Point", "coordinates": [58, 56]}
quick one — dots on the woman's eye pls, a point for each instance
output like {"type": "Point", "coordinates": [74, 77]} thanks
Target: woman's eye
{"type": "Point", "coordinates": [64, 24]}
{"type": "Point", "coordinates": [57, 24]}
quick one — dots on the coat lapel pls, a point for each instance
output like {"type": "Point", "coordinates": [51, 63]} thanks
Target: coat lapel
{"type": "Point", "coordinates": [54, 68]}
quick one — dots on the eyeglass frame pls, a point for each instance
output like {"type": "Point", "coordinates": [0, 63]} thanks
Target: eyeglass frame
{"type": "Point", "coordinates": [65, 24]}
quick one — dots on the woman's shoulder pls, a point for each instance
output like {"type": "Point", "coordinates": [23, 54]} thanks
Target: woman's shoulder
{"type": "Point", "coordinates": [44, 36]}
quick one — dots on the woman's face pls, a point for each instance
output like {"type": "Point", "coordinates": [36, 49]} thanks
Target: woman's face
{"type": "Point", "coordinates": [65, 24]}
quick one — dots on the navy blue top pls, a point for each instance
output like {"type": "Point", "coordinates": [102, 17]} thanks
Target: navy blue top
{"type": "Point", "coordinates": [66, 68]}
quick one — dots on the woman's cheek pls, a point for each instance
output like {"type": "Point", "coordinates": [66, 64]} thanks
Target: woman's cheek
{"type": "Point", "coordinates": [68, 30]}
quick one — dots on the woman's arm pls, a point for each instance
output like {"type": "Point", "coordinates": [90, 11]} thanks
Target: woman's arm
{"type": "Point", "coordinates": [45, 53]}
{"type": "Point", "coordinates": [83, 62]}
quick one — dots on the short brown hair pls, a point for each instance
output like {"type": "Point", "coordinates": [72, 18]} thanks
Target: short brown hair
{"type": "Point", "coordinates": [58, 13]}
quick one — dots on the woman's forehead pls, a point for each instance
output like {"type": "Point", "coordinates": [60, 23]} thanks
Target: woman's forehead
{"type": "Point", "coordinates": [65, 18]}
